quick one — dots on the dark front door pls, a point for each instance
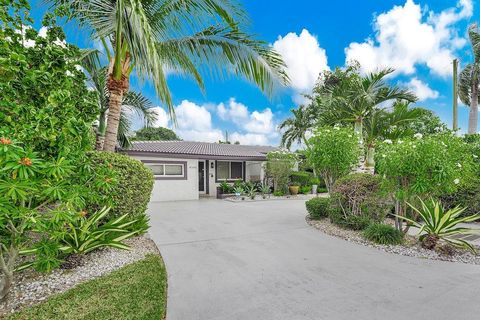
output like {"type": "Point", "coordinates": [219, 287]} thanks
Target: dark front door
{"type": "Point", "coordinates": [201, 176]}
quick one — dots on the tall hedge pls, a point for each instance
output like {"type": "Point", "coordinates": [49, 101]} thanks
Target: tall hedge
{"type": "Point", "coordinates": [131, 191]}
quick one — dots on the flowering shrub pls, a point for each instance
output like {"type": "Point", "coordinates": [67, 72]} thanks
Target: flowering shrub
{"type": "Point", "coordinates": [279, 166]}
{"type": "Point", "coordinates": [333, 153]}
{"type": "Point", "coordinates": [425, 166]}
{"type": "Point", "coordinates": [44, 100]}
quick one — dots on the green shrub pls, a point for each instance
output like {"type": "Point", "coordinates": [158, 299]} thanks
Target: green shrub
{"type": "Point", "coordinates": [361, 194]}
{"type": "Point", "coordinates": [278, 193]}
{"type": "Point", "coordinates": [383, 234]}
{"type": "Point", "coordinates": [318, 208]}
{"type": "Point", "coordinates": [358, 222]}
{"type": "Point", "coordinates": [131, 192]}
{"type": "Point", "coordinates": [300, 178]}
{"type": "Point", "coordinates": [467, 196]}
{"type": "Point", "coordinates": [305, 189]}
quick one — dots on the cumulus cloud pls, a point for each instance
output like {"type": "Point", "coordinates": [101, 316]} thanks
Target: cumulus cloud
{"type": "Point", "coordinates": [422, 90]}
{"type": "Point", "coordinates": [406, 37]}
{"type": "Point", "coordinates": [304, 57]}
{"type": "Point", "coordinates": [163, 119]}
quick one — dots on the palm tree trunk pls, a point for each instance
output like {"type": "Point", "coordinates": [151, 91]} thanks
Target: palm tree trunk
{"type": "Point", "coordinates": [359, 129]}
{"type": "Point", "coordinates": [370, 161]}
{"type": "Point", "coordinates": [473, 114]}
{"type": "Point", "coordinates": [117, 88]}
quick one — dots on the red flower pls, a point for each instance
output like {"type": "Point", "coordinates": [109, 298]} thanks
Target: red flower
{"type": "Point", "coordinates": [5, 141]}
{"type": "Point", "coordinates": [25, 161]}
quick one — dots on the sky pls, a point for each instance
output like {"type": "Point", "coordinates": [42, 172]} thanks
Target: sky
{"type": "Point", "coordinates": [418, 38]}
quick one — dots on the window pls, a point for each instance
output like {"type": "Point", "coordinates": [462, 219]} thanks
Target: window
{"type": "Point", "coordinates": [167, 170]}
{"type": "Point", "coordinates": [229, 170]}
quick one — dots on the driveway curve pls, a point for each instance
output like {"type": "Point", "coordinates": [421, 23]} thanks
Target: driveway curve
{"type": "Point", "coordinates": [261, 261]}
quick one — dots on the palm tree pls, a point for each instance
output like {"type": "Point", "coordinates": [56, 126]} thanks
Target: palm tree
{"type": "Point", "coordinates": [297, 126]}
{"type": "Point", "coordinates": [384, 124]}
{"type": "Point", "coordinates": [133, 103]}
{"type": "Point", "coordinates": [186, 37]}
{"type": "Point", "coordinates": [468, 83]}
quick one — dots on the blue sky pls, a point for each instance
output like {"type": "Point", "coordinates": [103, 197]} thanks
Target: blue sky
{"type": "Point", "coordinates": [418, 38]}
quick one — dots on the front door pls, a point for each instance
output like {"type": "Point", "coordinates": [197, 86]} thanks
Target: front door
{"type": "Point", "coordinates": [201, 176]}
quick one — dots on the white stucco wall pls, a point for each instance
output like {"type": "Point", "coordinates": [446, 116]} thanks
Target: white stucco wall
{"type": "Point", "coordinates": [172, 190]}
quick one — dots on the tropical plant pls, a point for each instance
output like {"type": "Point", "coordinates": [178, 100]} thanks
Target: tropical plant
{"type": "Point", "coordinates": [225, 187]}
{"type": "Point", "coordinates": [133, 103]}
{"type": "Point", "coordinates": [88, 233]}
{"type": "Point", "coordinates": [151, 133]}
{"type": "Point", "coordinates": [383, 234]}
{"type": "Point", "coordinates": [251, 191]}
{"type": "Point", "coordinates": [388, 124]}
{"type": "Point", "coordinates": [265, 190]}
{"type": "Point", "coordinates": [424, 166]}
{"type": "Point", "coordinates": [333, 153]}
{"type": "Point", "coordinates": [297, 126]}
{"type": "Point", "coordinates": [469, 80]}
{"type": "Point", "coordinates": [44, 100]}
{"type": "Point", "coordinates": [439, 224]}
{"type": "Point", "coordinates": [238, 190]}
{"type": "Point", "coordinates": [279, 166]}
{"type": "Point", "coordinates": [185, 38]}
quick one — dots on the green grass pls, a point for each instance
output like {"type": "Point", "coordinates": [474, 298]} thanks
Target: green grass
{"type": "Point", "coordinates": [136, 291]}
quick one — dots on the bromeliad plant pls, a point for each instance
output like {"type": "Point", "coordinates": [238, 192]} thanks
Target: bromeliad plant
{"type": "Point", "coordinates": [86, 233]}
{"type": "Point", "coordinates": [438, 224]}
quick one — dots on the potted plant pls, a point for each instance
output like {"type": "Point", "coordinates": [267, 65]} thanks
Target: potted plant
{"type": "Point", "coordinates": [294, 188]}
{"type": "Point", "coordinates": [238, 190]}
{"type": "Point", "coordinates": [223, 188]}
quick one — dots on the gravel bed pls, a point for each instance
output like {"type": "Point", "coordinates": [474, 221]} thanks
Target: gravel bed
{"type": "Point", "coordinates": [272, 197]}
{"type": "Point", "coordinates": [410, 248]}
{"type": "Point", "coordinates": [31, 287]}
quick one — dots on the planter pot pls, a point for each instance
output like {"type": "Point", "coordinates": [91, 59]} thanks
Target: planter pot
{"type": "Point", "coordinates": [293, 190]}
{"type": "Point", "coordinates": [219, 193]}
{"type": "Point", "coordinates": [314, 189]}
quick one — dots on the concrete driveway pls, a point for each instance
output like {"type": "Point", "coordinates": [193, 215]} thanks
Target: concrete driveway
{"type": "Point", "coordinates": [261, 261]}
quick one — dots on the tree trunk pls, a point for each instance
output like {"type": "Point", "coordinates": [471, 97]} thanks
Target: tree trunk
{"type": "Point", "coordinates": [114, 110]}
{"type": "Point", "coordinates": [6, 280]}
{"type": "Point", "coordinates": [473, 114]}
{"type": "Point", "coordinates": [359, 129]}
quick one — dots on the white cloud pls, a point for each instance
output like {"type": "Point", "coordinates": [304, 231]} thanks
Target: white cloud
{"type": "Point", "coordinates": [163, 119]}
{"type": "Point", "coordinates": [249, 138]}
{"type": "Point", "coordinates": [422, 90]}
{"type": "Point", "coordinates": [304, 57]}
{"type": "Point", "coordinates": [235, 111]}
{"type": "Point", "coordinates": [406, 36]}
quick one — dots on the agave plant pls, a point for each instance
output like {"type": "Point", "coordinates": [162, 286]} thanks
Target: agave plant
{"type": "Point", "coordinates": [87, 234]}
{"type": "Point", "coordinates": [251, 191]}
{"type": "Point", "coordinates": [264, 190]}
{"type": "Point", "coordinates": [440, 224]}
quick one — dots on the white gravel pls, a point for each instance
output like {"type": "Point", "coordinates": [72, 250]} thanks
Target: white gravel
{"type": "Point", "coordinates": [410, 248]}
{"type": "Point", "coordinates": [272, 197]}
{"type": "Point", "coordinates": [31, 287]}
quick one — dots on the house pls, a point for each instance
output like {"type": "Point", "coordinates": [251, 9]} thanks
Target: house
{"type": "Point", "coordinates": [186, 170]}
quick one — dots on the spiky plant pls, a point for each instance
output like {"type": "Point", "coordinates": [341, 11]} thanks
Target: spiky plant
{"type": "Point", "coordinates": [438, 224]}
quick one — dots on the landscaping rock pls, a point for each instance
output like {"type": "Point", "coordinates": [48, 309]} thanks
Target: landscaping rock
{"type": "Point", "coordinates": [31, 287]}
{"type": "Point", "coordinates": [410, 248]}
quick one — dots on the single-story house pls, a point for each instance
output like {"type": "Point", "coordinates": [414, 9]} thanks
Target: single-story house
{"type": "Point", "coordinates": [186, 170]}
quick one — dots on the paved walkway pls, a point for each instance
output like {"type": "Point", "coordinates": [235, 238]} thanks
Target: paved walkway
{"type": "Point", "coordinates": [260, 261]}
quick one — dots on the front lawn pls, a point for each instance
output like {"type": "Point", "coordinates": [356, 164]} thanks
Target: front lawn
{"type": "Point", "coordinates": [136, 291]}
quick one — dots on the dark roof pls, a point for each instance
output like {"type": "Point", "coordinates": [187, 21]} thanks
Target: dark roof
{"type": "Point", "coordinates": [200, 149]}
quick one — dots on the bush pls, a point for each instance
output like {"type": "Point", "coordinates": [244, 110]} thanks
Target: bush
{"type": "Point", "coordinates": [305, 189]}
{"type": "Point", "coordinates": [318, 208]}
{"type": "Point", "coordinates": [333, 153]}
{"type": "Point", "coordinates": [131, 192]}
{"type": "Point", "coordinates": [300, 178]}
{"type": "Point", "coordinates": [383, 234]}
{"type": "Point", "coordinates": [278, 193]}
{"type": "Point", "coordinates": [358, 222]}
{"type": "Point", "coordinates": [361, 194]}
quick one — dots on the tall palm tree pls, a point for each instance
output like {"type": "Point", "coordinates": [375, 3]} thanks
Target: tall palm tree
{"type": "Point", "coordinates": [297, 126]}
{"type": "Point", "coordinates": [186, 37]}
{"type": "Point", "coordinates": [133, 103]}
{"type": "Point", "coordinates": [468, 83]}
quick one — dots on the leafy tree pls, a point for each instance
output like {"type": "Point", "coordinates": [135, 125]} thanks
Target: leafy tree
{"type": "Point", "coordinates": [424, 166]}
{"type": "Point", "coordinates": [133, 103]}
{"type": "Point", "coordinates": [468, 82]}
{"type": "Point", "coordinates": [187, 37]}
{"type": "Point", "coordinates": [333, 153]}
{"type": "Point", "coordinates": [44, 100]}
{"type": "Point", "coordinates": [151, 133]}
{"type": "Point", "coordinates": [426, 123]}
{"type": "Point", "coordinates": [279, 165]}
